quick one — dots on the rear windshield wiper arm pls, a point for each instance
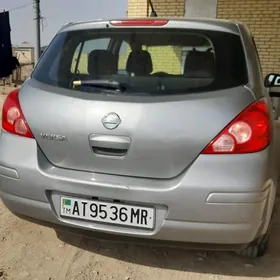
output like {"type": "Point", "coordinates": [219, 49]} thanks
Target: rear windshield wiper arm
{"type": "Point", "coordinates": [106, 84]}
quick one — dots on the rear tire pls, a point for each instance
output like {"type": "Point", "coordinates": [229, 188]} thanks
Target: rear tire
{"type": "Point", "coordinates": [257, 248]}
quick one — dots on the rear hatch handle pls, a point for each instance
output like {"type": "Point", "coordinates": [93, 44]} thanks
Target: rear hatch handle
{"type": "Point", "coordinates": [109, 145]}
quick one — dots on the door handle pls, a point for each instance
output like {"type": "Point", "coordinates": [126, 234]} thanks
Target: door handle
{"type": "Point", "coordinates": [109, 145]}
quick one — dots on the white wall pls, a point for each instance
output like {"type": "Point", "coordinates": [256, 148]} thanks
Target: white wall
{"type": "Point", "coordinates": [24, 55]}
{"type": "Point", "coordinates": [201, 8]}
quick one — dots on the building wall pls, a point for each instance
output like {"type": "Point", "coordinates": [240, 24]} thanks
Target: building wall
{"type": "Point", "coordinates": [172, 8]}
{"type": "Point", "coordinates": [201, 8]}
{"type": "Point", "coordinates": [23, 55]}
{"type": "Point", "coordinates": [166, 59]}
{"type": "Point", "coordinates": [26, 71]}
{"type": "Point", "coordinates": [263, 19]}
{"type": "Point", "coordinates": [137, 8]}
{"type": "Point", "coordinates": [169, 8]}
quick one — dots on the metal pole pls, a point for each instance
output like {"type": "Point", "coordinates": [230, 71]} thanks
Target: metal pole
{"type": "Point", "coordinates": [37, 18]}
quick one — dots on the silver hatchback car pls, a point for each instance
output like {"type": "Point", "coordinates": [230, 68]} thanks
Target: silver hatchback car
{"type": "Point", "coordinates": [153, 128]}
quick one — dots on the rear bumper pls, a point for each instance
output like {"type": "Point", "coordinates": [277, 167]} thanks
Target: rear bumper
{"type": "Point", "coordinates": [176, 231]}
{"type": "Point", "coordinates": [192, 208]}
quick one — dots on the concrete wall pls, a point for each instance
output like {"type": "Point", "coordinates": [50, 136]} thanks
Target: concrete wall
{"type": "Point", "coordinates": [201, 8]}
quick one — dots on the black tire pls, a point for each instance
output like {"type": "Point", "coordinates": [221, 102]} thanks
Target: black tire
{"type": "Point", "coordinates": [256, 249]}
{"type": "Point", "coordinates": [259, 247]}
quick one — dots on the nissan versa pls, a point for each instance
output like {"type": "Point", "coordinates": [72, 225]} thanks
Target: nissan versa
{"type": "Point", "coordinates": [150, 128]}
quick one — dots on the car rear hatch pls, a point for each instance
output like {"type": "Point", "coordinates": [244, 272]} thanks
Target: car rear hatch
{"type": "Point", "coordinates": [99, 101]}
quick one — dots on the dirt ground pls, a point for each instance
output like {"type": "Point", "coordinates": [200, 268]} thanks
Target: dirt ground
{"type": "Point", "coordinates": [29, 251]}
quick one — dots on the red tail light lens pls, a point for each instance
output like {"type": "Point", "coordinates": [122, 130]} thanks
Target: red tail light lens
{"type": "Point", "coordinates": [249, 132]}
{"type": "Point", "coordinates": [13, 120]}
{"type": "Point", "coordinates": [139, 22]}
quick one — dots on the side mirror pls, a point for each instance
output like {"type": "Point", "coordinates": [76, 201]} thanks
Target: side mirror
{"type": "Point", "coordinates": [272, 80]}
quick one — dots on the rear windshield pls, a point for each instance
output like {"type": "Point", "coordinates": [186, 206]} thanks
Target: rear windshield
{"type": "Point", "coordinates": [156, 61]}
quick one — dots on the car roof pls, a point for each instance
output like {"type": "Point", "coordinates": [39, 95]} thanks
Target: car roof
{"type": "Point", "coordinates": [190, 23]}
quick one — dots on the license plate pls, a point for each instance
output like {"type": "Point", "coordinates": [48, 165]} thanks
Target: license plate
{"type": "Point", "coordinates": [106, 212]}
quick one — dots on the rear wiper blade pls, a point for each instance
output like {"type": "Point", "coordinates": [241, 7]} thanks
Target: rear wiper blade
{"type": "Point", "coordinates": [105, 84]}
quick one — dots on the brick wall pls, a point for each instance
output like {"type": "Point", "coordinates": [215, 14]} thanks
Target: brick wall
{"type": "Point", "coordinates": [169, 8]}
{"type": "Point", "coordinates": [137, 8]}
{"type": "Point", "coordinates": [263, 19]}
{"type": "Point", "coordinates": [166, 59]}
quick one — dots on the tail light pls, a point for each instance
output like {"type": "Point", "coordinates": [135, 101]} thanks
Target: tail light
{"type": "Point", "coordinates": [13, 120]}
{"type": "Point", "coordinates": [249, 132]}
{"type": "Point", "coordinates": [139, 22]}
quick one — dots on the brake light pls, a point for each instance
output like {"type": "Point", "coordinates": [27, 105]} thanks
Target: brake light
{"type": "Point", "coordinates": [139, 22]}
{"type": "Point", "coordinates": [249, 132]}
{"type": "Point", "coordinates": [13, 120]}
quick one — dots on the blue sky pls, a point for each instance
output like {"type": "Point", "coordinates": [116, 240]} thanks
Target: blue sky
{"type": "Point", "coordinates": [57, 13]}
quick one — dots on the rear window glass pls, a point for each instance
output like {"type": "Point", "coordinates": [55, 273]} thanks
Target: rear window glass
{"type": "Point", "coordinates": [149, 62]}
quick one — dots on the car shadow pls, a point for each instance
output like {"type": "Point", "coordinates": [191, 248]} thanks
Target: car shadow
{"type": "Point", "coordinates": [219, 263]}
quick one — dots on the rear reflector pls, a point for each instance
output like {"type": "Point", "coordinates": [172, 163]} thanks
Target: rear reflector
{"type": "Point", "coordinates": [249, 132]}
{"type": "Point", "coordinates": [139, 22]}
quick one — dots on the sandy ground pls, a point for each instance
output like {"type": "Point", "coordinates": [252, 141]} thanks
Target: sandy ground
{"type": "Point", "coordinates": [29, 251]}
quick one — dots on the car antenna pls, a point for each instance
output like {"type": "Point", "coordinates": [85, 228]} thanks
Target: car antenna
{"type": "Point", "coordinates": [153, 12]}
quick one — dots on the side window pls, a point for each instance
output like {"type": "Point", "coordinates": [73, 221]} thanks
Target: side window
{"type": "Point", "coordinates": [80, 57]}
{"type": "Point", "coordinates": [125, 50]}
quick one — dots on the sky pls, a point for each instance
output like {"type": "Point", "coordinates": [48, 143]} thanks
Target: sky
{"type": "Point", "coordinates": [56, 14]}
